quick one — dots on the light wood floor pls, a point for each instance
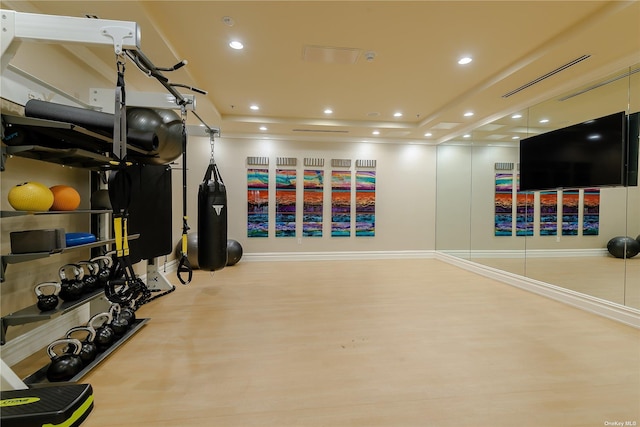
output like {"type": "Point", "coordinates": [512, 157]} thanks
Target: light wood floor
{"type": "Point", "coordinates": [366, 343]}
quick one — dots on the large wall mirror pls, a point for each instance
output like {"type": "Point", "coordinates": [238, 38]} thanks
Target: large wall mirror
{"type": "Point", "coordinates": [557, 237]}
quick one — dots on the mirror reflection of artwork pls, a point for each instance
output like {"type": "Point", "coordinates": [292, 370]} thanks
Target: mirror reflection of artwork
{"type": "Point", "coordinates": [548, 213]}
{"type": "Point", "coordinates": [504, 204]}
{"type": "Point", "coordinates": [570, 208]}
{"type": "Point", "coordinates": [591, 212]}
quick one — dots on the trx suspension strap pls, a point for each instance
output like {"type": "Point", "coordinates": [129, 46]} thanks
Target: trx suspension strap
{"type": "Point", "coordinates": [184, 266]}
{"type": "Point", "coordinates": [129, 287]}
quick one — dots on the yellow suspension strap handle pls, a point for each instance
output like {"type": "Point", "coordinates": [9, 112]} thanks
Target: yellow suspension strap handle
{"type": "Point", "coordinates": [184, 266]}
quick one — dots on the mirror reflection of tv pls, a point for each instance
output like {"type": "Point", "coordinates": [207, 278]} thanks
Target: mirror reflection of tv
{"type": "Point", "coordinates": [595, 153]}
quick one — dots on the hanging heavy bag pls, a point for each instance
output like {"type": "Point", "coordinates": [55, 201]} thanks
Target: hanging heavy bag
{"type": "Point", "coordinates": [212, 221]}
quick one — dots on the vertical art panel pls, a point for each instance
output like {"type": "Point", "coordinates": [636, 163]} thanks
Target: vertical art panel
{"type": "Point", "coordinates": [285, 203]}
{"type": "Point", "coordinates": [570, 208]}
{"type": "Point", "coordinates": [340, 203]}
{"type": "Point", "coordinates": [257, 202]}
{"type": "Point", "coordinates": [591, 213]}
{"type": "Point", "coordinates": [365, 203]}
{"type": "Point", "coordinates": [503, 204]}
{"type": "Point", "coordinates": [548, 213]}
{"type": "Point", "coordinates": [524, 214]}
{"type": "Point", "coordinates": [312, 203]}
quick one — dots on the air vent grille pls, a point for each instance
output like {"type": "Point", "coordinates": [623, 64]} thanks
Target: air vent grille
{"type": "Point", "coordinates": [546, 76]}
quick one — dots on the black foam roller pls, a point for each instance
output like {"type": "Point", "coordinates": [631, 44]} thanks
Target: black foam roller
{"type": "Point", "coordinates": [212, 225]}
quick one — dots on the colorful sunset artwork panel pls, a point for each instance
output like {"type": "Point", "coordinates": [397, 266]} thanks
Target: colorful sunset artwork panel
{"type": "Point", "coordinates": [365, 203]}
{"type": "Point", "coordinates": [285, 203]}
{"type": "Point", "coordinates": [548, 213]}
{"type": "Point", "coordinates": [312, 204]}
{"type": "Point", "coordinates": [570, 211]}
{"type": "Point", "coordinates": [504, 204]}
{"type": "Point", "coordinates": [257, 203]}
{"type": "Point", "coordinates": [340, 203]}
{"type": "Point", "coordinates": [591, 212]}
{"type": "Point", "coordinates": [524, 214]}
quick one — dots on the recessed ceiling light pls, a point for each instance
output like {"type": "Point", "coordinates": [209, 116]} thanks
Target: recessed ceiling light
{"type": "Point", "coordinates": [544, 121]}
{"type": "Point", "coordinates": [468, 114]}
{"type": "Point", "coordinates": [263, 128]}
{"type": "Point", "coordinates": [235, 44]}
{"type": "Point", "coordinates": [516, 116]}
{"type": "Point", "coordinates": [466, 136]}
{"type": "Point", "coordinates": [328, 111]}
{"type": "Point", "coordinates": [376, 132]}
{"type": "Point", "coordinates": [465, 60]}
{"type": "Point", "coordinates": [254, 107]}
{"type": "Point", "coordinates": [428, 134]}
{"type": "Point", "coordinates": [398, 114]}
{"type": "Point", "coordinates": [515, 137]}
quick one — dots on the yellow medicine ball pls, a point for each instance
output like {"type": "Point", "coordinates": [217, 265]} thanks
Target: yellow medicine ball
{"type": "Point", "coordinates": [30, 196]}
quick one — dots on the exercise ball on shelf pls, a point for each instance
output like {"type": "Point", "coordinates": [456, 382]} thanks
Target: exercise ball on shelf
{"type": "Point", "coordinates": [623, 247]}
{"type": "Point", "coordinates": [100, 200]}
{"type": "Point", "coordinates": [30, 196]}
{"type": "Point", "coordinates": [234, 252]}
{"type": "Point", "coordinates": [65, 198]}
{"type": "Point", "coordinates": [192, 249]}
{"type": "Point", "coordinates": [167, 126]}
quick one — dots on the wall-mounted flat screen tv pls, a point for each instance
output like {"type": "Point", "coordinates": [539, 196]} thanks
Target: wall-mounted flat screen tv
{"type": "Point", "coordinates": [595, 153]}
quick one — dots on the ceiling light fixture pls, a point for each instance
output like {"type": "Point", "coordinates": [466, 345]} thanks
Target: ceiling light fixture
{"type": "Point", "coordinates": [515, 137]}
{"type": "Point", "coordinates": [466, 136]}
{"type": "Point", "coordinates": [428, 134]}
{"type": "Point", "coordinates": [376, 132]}
{"type": "Point", "coordinates": [398, 114]}
{"type": "Point", "coordinates": [254, 107]}
{"type": "Point", "coordinates": [516, 116]}
{"type": "Point", "coordinates": [235, 44]}
{"type": "Point", "coordinates": [263, 128]}
{"type": "Point", "coordinates": [468, 114]}
{"type": "Point", "coordinates": [544, 121]}
{"type": "Point", "coordinates": [465, 60]}
{"type": "Point", "coordinates": [328, 111]}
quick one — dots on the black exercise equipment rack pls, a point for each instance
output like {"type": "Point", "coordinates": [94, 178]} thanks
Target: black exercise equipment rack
{"type": "Point", "coordinates": [40, 376]}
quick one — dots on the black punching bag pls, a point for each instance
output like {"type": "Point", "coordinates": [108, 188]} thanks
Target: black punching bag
{"type": "Point", "coordinates": [212, 221]}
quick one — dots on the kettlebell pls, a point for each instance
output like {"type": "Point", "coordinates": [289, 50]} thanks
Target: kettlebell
{"type": "Point", "coordinates": [64, 366]}
{"type": "Point", "coordinates": [105, 336]}
{"type": "Point", "coordinates": [89, 350]}
{"type": "Point", "coordinates": [129, 313]}
{"type": "Point", "coordinates": [90, 278]}
{"type": "Point", "coordinates": [119, 324]}
{"type": "Point", "coordinates": [105, 263]}
{"type": "Point", "coordinates": [72, 287]}
{"type": "Point", "coordinates": [47, 302]}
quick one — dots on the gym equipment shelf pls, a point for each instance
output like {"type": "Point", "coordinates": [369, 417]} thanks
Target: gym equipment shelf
{"type": "Point", "coordinates": [10, 214]}
{"type": "Point", "coordinates": [40, 376]}
{"type": "Point", "coordinates": [17, 258]}
{"type": "Point", "coordinates": [33, 314]}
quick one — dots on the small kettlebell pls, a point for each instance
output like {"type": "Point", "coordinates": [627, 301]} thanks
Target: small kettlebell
{"type": "Point", "coordinates": [47, 302]}
{"type": "Point", "coordinates": [105, 263]}
{"type": "Point", "coordinates": [64, 366]}
{"type": "Point", "coordinates": [89, 349]}
{"type": "Point", "coordinates": [90, 278]}
{"type": "Point", "coordinates": [105, 336]}
{"type": "Point", "coordinates": [129, 313]}
{"type": "Point", "coordinates": [72, 287]}
{"type": "Point", "coordinates": [119, 324]}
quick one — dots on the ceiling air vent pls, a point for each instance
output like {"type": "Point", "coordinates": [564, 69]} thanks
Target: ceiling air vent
{"type": "Point", "coordinates": [320, 130]}
{"type": "Point", "coordinates": [546, 76]}
{"type": "Point", "coordinates": [596, 86]}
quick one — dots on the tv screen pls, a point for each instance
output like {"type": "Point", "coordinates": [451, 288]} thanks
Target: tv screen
{"type": "Point", "coordinates": [589, 154]}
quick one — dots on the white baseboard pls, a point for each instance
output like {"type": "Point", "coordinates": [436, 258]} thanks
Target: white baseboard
{"type": "Point", "coordinates": [335, 256]}
{"type": "Point", "coordinates": [627, 315]}
{"type": "Point", "coordinates": [529, 253]}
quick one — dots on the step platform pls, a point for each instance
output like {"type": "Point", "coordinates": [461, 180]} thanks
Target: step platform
{"type": "Point", "coordinates": [62, 404]}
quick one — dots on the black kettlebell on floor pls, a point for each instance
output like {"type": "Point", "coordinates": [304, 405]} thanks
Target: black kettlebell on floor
{"type": "Point", "coordinates": [64, 366]}
{"type": "Point", "coordinates": [105, 336]}
{"type": "Point", "coordinates": [105, 263]}
{"type": "Point", "coordinates": [72, 287]}
{"type": "Point", "coordinates": [89, 349]}
{"type": "Point", "coordinates": [90, 278]}
{"type": "Point", "coordinates": [47, 302]}
{"type": "Point", "coordinates": [119, 324]}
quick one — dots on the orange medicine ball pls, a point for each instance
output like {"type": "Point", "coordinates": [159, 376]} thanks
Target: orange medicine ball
{"type": "Point", "coordinates": [65, 198]}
